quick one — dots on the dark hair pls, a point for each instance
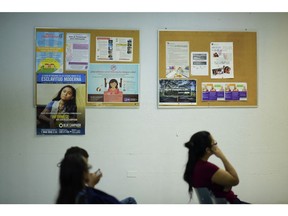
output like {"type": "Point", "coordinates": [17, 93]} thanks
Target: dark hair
{"type": "Point", "coordinates": [71, 179]}
{"type": "Point", "coordinates": [113, 80]}
{"type": "Point", "coordinates": [70, 106]}
{"type": "Point", "coordinates": [197, 147]}
{"type": "Point", "coordinates": [76, 150]}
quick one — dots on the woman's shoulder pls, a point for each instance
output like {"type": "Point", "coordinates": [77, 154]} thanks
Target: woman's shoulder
{"type": "Point", "coordinates": [206, 165]}
{"type": "Point", "coordinates": [50, 104]}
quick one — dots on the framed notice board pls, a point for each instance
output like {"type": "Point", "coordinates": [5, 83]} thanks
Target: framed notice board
{"type": "Point", "coordinates": [207, 69]}
{"type": "Point", "coordinates": [106, 61]}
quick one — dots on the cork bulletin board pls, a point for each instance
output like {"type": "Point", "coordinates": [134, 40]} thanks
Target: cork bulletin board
{"type": "Point", "coordinates": [207, 69]}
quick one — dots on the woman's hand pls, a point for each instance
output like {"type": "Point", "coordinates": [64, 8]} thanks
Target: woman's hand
{"type": "Point", "coordinates": [227, 177]}
{"type": "Point", "coordinates": [217, 151]}
{"type": "Point", "coordinates": [94, 178]}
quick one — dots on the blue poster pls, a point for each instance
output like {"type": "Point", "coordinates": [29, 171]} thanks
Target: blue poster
{"type": "Point", "coordinates": [61, 104]}
{"type": "Point", "coordinates": [113, 83]}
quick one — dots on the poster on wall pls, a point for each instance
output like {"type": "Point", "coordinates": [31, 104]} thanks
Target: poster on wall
{"type": "Point", "coordinates": [199, 64]}
{"type": "Point", "coordinates": [214, 91]}
{"type": "Point", "coordinates": [49, 52]}
{"type": "Point", "coordinates": [77, 51]}
{"type": "Point", "coordinates": [221, 60]}
{"type": "Point", "coordinates": [114, 49]}
{"type": "Point", "coordinates": [113, 83]}
{"type": "Point", "coordinates": [60, 104]}
{"type": "Point", "coordinates": [177, 92]}
{"type": "Point", "coordinates": [177, 59]}
{"type": "Point", "coordinates": [236, 92]}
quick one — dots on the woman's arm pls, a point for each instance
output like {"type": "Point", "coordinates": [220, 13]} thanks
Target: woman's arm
{"type": "Point", "coordinates": [227, 177]}
{"type": "Point", "coordinates": [45, 116]}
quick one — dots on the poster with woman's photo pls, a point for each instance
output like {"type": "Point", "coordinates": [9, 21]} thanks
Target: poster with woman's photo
{"type": "Point", "coordinates": [60, 104]}
{"type": "Point", "coordinates": [113, 83]}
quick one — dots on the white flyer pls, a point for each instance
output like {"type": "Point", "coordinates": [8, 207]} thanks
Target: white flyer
{"type": "Point", "coordinates": [221, 60]}
{"type": "Point", "coordinates": [77, 51]}
{"type": "Point", "coordinates": [199, 64]}
{"type": "Point", "coordinates": [177, 59]}
{"type": "Point", "coordinates": [114, 49]}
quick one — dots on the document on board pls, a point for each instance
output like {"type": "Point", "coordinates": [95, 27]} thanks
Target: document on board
{"type": "Point", "coordinates": [177, 92]}
{"type": "Point", "coordinates": [113, 83]}
{"type": "Point", "coordinates": [77, 51]}
{"type": "Point", "coordinates": [49, 52]}
{"type": "Point", "coordinates": [224, 91]}
{"type": "Point", "coordinates": [114, 49]}
{"type": "Point", "coordinates": [212, 91]}
{"type": "Point", "coordinates": [221, 60]}
{"type": "Point", "coordinates": [236, 92]}
{"type": "Point", "coordinates": [199, 64]}
{"type": "Point", "coordinates": [177, 59]}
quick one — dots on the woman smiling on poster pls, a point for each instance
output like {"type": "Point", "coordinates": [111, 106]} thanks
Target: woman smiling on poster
{"type": "Point", "coordinates": [63, 103]}
{"type": "Point", "coordinates": [113, 94]}
{"type": "Point", "coordinates": [113, 87]}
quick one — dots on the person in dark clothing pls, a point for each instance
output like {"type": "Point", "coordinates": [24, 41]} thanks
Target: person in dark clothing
{"type": "Point", "coordinates": [77, 184]}
{"type": "Point", "coordinates": [74, 176]}
{"type": "Point", "coordinates": [200, 172]}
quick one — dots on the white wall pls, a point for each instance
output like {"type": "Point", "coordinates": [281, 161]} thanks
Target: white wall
{"type": "Point", "coordinates": [147, 141]}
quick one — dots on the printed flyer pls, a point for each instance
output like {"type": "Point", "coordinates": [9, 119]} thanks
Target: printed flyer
{"type": "Point", "coordinates": [77, 51]}
{"type": "Point", "coordinates": [117, 83]}
{"type": "Point", "coordinates": [177, 59]}
{"type": "Point", "coordinates": [221, 60]}
{"type": "Point", "coordinates": [61, 104]}
{"type": "Point", "coordinates": [114, 49]}
{"type": "Point", "coordinates": [224, 91]}
{"type": "Point", "coordinates": [199, 62]}
{"type": "Point", "coordinates": [49, 52]}
{"type": "Point", "coordinates": [236, 91]}
{"type": "Point", "coordinates": [177, 92]}
{"type": "Point", "coordinates": [213, 92]}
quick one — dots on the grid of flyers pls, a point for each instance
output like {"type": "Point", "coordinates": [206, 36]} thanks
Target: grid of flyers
{"type": "Point", "coordinates": [219, 91]}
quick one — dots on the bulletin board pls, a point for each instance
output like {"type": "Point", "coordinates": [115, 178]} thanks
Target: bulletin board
{"type": "Point", "coordinates": [99, 55]}
{"type": "Point", "coordinates": [78, 68]}
{"type": "Point", "coordinates": [192, 69]}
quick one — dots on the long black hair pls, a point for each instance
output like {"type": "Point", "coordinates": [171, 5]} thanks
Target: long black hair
{"type": "Point", "coordinates": [196, 149]}
{"type": "Point", "coordinates": [72, 178]}
{"type": "Point", "coordinates": [70, 106]}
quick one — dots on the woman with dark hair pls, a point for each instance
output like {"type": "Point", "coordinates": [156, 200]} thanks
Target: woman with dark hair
{"type": "Point", "coordinates": [77, 183]}
{"type": "Point", "coordinates": [201, 173]}
{"type": "Point", "coordinates": [74, 176]}
{"type": "Point", "coordinates": [113, 87]}
{"type": "Point", "coordinates": [63, 103]}
{"type": "Point", "coordinates": [73, 172]}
